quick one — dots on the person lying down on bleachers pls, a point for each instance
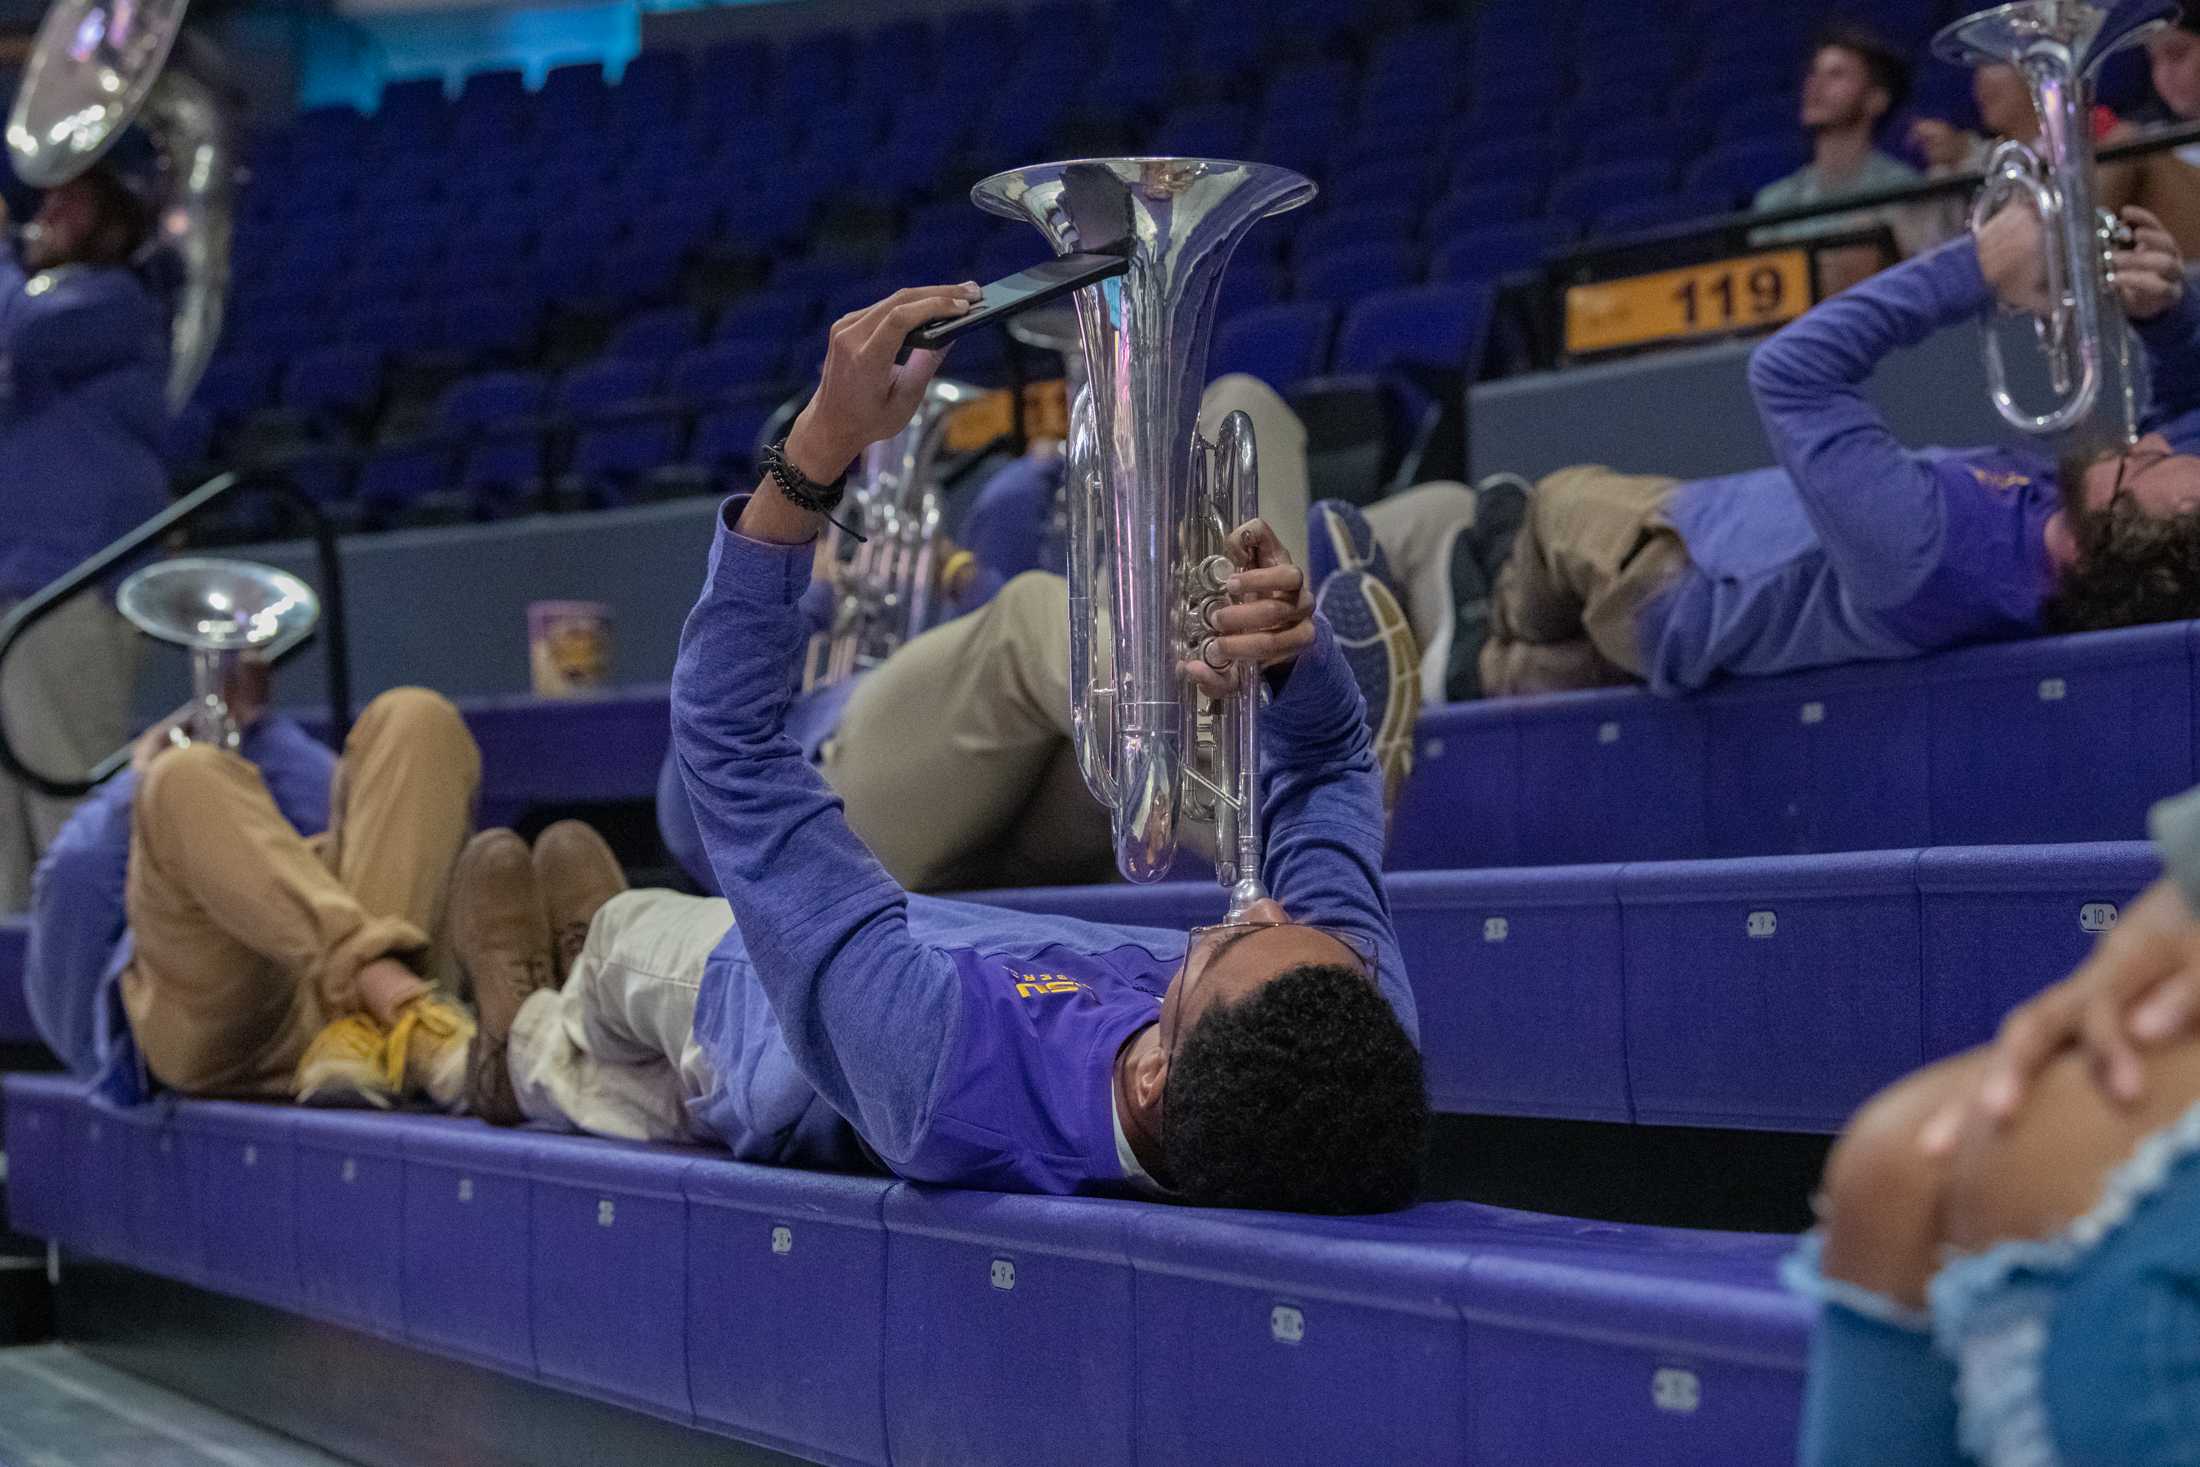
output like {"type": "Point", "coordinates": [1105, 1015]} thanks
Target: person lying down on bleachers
{"type": "Point", "coordinates": [269, 923]}
{"type": "Point", "coordinates": [827, 1018]}
{"type": "Point", "coordinates": [2009, 1258]}
{"type": "Point", "coordinates": [1856, 547]}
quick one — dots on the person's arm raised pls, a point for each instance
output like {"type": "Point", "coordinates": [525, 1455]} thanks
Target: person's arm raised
{"type": "Point", "coordinates": [867, 1011]}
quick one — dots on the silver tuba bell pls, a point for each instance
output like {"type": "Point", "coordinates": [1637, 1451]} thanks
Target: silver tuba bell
{"type": "Point", "coordinates": [222, 610]}
{"type": "Point", "coordinates": [96, 67]}
{"type": "Point", "coordinates": [883, 585]}
{"type": "Point", "coordinates": [2059, 47]}
{"type": "Point", "coordinates": [1151, 502]}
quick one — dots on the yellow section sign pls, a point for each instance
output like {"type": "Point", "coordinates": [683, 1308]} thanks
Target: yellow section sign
{"type": "Point", "coordinates": [1703, 300]}
{"type": "Point", "coordinates": [977, 423]}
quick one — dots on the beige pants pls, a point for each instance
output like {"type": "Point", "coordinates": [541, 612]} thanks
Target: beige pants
{"type": "Point", "coordinates": [250, 937]}
{"type": "Point", "coordinates": [66, 698]}
{"type": "Point", "coordinates": [1595, 549]}
{"type": "Point", "coordinates": [612, 1052]}
{"type": "Point", "coordinates": [1279, 438]}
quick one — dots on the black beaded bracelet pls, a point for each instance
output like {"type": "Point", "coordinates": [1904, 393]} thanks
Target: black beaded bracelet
{"type": "Point", "coordinates": [803, 491]}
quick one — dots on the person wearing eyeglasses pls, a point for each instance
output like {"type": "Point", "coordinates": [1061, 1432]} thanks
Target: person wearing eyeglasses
{"type": "Point", "coordinates": [1857, 547]}
{"type": "Point", "coordinates": [821, 1016]}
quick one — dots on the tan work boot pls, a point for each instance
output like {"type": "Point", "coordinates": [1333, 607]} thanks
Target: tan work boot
{"type": "Point", "coordinates": [347, 1065]}
{"type": "Point", "coordinates": [502, 937]}
{"type": "Point", "coordinates": [428, 1045]}
{"type": "Point", "coordinates": [577, 874]}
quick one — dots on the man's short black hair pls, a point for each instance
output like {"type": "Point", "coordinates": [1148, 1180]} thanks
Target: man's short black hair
{"type": "Point", "coordinates": [1306, 1095]}
{"type": "Point", "coordinates": [2133, 569]}
{"type": "Point", "coordinates": [2188, 16]}
{"type": "Point", "coordinates": [1887, 67]}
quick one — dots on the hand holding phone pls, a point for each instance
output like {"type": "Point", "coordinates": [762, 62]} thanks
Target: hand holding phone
{"type": "Point", "coordinates": [1015, 294]}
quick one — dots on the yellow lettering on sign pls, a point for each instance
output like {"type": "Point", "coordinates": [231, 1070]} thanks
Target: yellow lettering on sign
{"type": "Point", "coordinates": [1675, 305]}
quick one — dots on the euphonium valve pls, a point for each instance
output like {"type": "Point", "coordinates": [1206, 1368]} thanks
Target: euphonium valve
{"type": "Point", "coordinates": [1151, 503]}
{"type": "Point", "coordinates": [2059, 46]}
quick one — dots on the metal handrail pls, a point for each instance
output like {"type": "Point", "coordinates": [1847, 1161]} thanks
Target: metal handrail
{"type": "Point", "coordinates": [49, 598]}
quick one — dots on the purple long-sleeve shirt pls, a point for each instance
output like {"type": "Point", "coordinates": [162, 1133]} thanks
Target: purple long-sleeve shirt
{"type": "Point", "coordinates": [80, 937]}
{"type": "Point", "coordinates": [1856, 547]}
{"type": "Point", "coordinates": [963, 1044]}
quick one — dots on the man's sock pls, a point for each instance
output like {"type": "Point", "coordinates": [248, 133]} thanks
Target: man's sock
{"type": "Point", "coordinates": [1879, 1395]}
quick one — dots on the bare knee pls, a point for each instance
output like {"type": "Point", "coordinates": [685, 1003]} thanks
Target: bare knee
{"type": "Point", "coordinates": [1882, 1198]}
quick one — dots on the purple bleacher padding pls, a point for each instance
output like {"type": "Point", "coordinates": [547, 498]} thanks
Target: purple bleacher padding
{"type": "Point", "coordinates": [767, 1247]}
{"type": "Point", "coordinates": [466, 1262]}
{"type": "Point", "coordinates": [1284, 1319]}
{"type": "Point", "coordinates": [1598, 1342]}
{"type": "Point", "coordinates": [2002, 921]}
{"type": "Point", "coordinates": [37, 1115]}
{"type": "Point", "coordinates": [1279, 344]}
{"type": "Point", "coordinates": [1596, 746]}
{"type": "Point", "coordinates": [243, 1163]}
{"type": "Point", "coordinates": [608, 1272]}
{"type": "Point", "coordinates": [106, 1161]}
{"type": "Point", "coordinates": [15, 1009]}
{"type": "Point", "coordinates": [1517, 976]}
{"type": "Point", "coordinates": [1776, 992]}
{"type": "Point", "coordinates": [994, 1298]}
{"type": "Point", "coordinates": [2079, 772]}
{"type": "Point", "coordinates": [1462, 805]}
{"type": "Point", "coordinates": [164, 1230]}
{"type": "Point", "coordinates": [349, 1176]}
{"type": "Point", "coordinates": [1829, 761]}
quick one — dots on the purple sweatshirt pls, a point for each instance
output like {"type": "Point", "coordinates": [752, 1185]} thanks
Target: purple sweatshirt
{"type": "Point", "coordinates": [80, 939]}
{"type": "Point", "coordinates": [963, 1044]}
{"type": "Point", "coordinates": [1857, 547]}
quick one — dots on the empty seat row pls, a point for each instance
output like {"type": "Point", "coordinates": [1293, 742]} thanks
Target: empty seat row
{"type": "Point", "coordinates": [861, 1320]}
{"type": "Point", "coordinates": [2047, 739]}
{"type": "Point", "coordinates": [1775, 992]}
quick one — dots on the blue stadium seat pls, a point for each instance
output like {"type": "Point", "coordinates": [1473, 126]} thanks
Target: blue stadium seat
{"type": "Point", "coordinates": [1358, 270]}
{"type": "Point", "coordinates": [1278, 344]}
{"type": "Point", "coordinates": [1207, 130]}
{"type": "Point", "coordinates": [1525, 163]}
{"type": "Point", "coordinates": [623, 431]}
{"type": "Point", "coordinates": [1442, 328]}
{"type": "Point", "coordinates": [234, 384]}
{"type": "Point", "coordinates": [1757, 117]}
{"type": "Point", "coordinates": [726, 366]}
{"type": "Point", "coordinates": [334, 388]}
{"type": "Point", "coordinates": [1471, 210]}
{"type": "Point", "coordinates": [491, 327]}
{"type": "Point", "coordinates": [781, 314]}
{"type": "Point", "coordinates": [1644, 214]}
{"type": "Point", "coordinates": [1499, 250]}
{"type": "Point", "coordinates": [723, 445]}
{"type": "Point", "coordinates": [1584, 194]}
{"type": "Point", "coordinates": [1344, 228]}
{"type": "Point", "coordinates": [657, 335]}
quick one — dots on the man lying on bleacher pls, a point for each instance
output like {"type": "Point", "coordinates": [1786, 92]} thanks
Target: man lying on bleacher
{"type": "Point", "coordinates": [1856, 547]}
{"type": "Point", "coordinates": [827, 1018]}
{"type": "Point", "coordinates": [2009, 1263]}
{"type": "Point", "coordinates": [268, 923]}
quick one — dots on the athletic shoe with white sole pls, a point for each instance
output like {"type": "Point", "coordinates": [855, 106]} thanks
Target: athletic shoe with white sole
{"type": "Point", "coordinates": [1378, 645]}
{"type": "Point", "coordinates": [1338, 537]}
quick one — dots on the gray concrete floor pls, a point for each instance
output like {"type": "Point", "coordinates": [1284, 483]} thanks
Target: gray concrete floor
{"type": "Point", "coordinates": [59, 1408]}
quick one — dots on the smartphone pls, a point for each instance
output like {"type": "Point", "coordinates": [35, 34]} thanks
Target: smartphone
{"type": "Point", "coordinates": [1015, 295]}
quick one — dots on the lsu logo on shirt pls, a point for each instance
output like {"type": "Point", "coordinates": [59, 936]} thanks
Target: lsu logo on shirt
{"type": "Point", "coordinates": [2000, 482]}
{"type": "Point", "coordinates": [1039, 985]}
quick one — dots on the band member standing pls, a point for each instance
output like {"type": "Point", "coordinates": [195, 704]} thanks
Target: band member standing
{"type": "Point", "coordinates": [83, 374]}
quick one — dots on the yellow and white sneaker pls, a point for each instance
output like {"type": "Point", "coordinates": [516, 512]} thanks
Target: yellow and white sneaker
{"type": "Point", "coordinates": [426, 1055]}
{"type": "Point", "coordinates": [346, 1065]}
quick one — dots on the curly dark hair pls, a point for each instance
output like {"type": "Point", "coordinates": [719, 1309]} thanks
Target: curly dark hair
{"type": "Point", "coordinates": [2132, 568]}
{"type": "Point", "coordinates": [1304, 1096]}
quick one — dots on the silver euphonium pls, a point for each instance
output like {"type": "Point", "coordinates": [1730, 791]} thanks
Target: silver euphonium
{"type": "Point", "coordinates": [222, 611]}
{"type": "Point", "coordinates": [1151, 502]}
{"type": "Point", "coordinates": [96, 67]}
{"type": "Point", "coordinates": [883, 583]}
{"type": "Point", "coordinates": [2059, 47]}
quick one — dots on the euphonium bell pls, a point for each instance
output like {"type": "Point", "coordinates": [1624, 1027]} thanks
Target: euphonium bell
{"type": "Point", "coordinates": [2059, 47]}
{"type": "Point", "coordinates": [221, 610]}
{"type": "Point", "coordinates": [1151, 503]}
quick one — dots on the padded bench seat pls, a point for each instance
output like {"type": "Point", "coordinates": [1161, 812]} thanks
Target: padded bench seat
{"type": "Point", "coordinates": [863, 1320]}
{"type": "Point", "coordinates": [1773, 992]}
{"type": "Point", "coordinates": [1985, 745]}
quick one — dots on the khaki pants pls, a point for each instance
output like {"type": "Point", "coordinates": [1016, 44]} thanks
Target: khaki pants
{"type": "Point", "coordinates": [1595, 549]}
{"type": "Point", "coordinates": [66, 699]}
{"type": "Point", "coordinates": [1279, 438]}
{"type": "Point", "coordinates": [612, 1052]}
{"type": "Point", "coordinates": [953, 758]}
{"type": "Point", "coordinates": [250, 937]}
